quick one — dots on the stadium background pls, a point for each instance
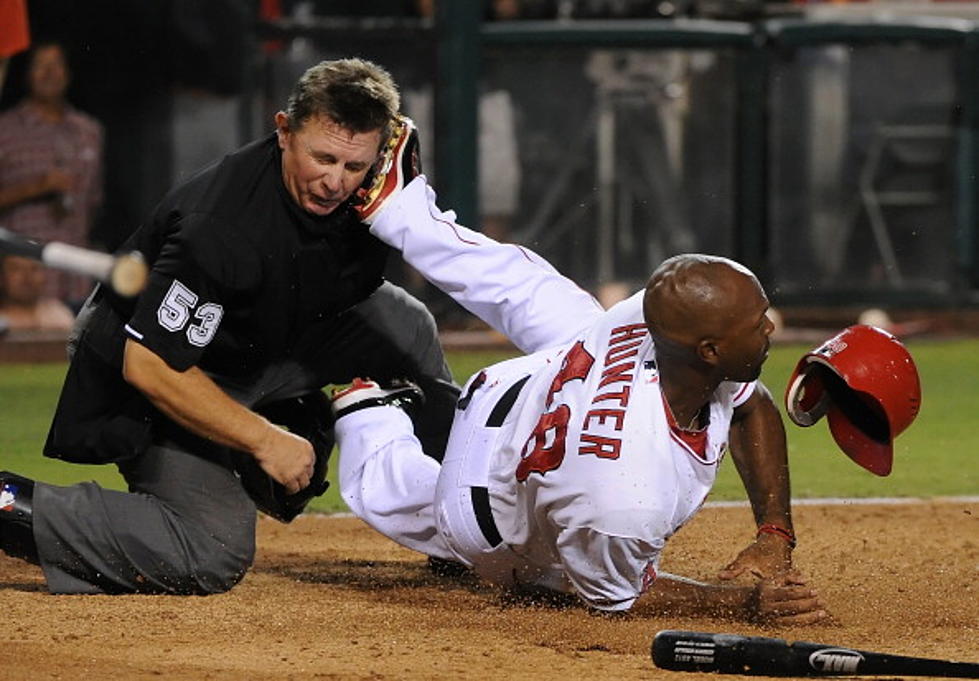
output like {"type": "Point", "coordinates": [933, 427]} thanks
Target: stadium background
{"type": "Point", "coordinates": [831, 147]}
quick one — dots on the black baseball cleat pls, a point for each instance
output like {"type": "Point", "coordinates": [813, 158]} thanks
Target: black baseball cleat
{"type": "Point", "coordinates": [362, 394]}
{"type": "Point", "coordinates": [17, 516]}
{"type": "Point", "coordinates": [399, 164]}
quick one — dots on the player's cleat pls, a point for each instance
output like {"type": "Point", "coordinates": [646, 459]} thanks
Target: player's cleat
{"type": "Point", "coordinates": [399, 164]}
{"type": "Point", "coordinates": [17, 517]}
{"type": "Point", "coordinates": [362, 394]}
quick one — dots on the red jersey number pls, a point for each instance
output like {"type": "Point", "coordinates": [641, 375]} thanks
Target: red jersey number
{"type": "Point", "coordinates": [545, 448]}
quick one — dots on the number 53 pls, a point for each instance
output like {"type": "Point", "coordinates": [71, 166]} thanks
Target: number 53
{"type": "Point", "coordinates": [175, 311]}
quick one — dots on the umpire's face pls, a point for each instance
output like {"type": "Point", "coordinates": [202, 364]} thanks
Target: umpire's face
{"type": "Point", "coordinates": [323, 163]}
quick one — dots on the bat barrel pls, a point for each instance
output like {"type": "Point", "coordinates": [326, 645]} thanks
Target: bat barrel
{"type": "Point", "coordinates": [126, 274]}
{"type": "Point", "coordinates": [74, 259]}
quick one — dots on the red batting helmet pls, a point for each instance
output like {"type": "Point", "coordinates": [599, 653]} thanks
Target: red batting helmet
{"type": "Point", "coordinates": [865, 382]}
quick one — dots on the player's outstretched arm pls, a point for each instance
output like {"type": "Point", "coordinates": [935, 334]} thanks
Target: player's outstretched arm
{"type": "Point", "coordinates": [785, 600]}
{"type": "Point", "coordinates": [757, 440]}
{"type": "Point", "coordinates": [509, 287]}
{"type": "Point", "coordinates": [195, 402]}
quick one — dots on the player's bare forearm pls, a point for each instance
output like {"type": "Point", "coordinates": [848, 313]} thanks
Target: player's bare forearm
{"type": "Point", "coordinates": [679, 596]}
{"type": "Point", "coordinates": [757, 440]}
{"type": "Point", "coordinates": [785, 600]}
{"type": "Point", "coordinates": [758, 448]}
{"type": "Point", "coordinates": [195, 402]}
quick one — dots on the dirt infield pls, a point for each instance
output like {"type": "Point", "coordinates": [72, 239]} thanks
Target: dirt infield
{"type": "Point", "coordinates": [329, 599]}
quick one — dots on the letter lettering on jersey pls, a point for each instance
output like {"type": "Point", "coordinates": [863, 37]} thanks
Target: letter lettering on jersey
{"type": "Point", "coordinates": [618, 353]}
{"type": "Point", "coordinates": [601, 415]}
{"type": "Point", "coordinates": [617, 374]}
{"type": "Point", "coordinates": [602, 447]}
{"type": "Point", "coordinates": [624, 334]}
{"type": "Point", "coordinates": [545, 448]}
{"type": "Point", "coordinates": [624, 342]}
{"type": "Point", "coordinates": [621, 397]}
{"type": "Point", "coordinates": [545, 457]}
{"type": "Point", "coordinates": [577, 363]}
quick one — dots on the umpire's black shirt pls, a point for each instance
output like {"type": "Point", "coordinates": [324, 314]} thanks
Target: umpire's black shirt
{"type": "Point", "coordinates": [239, 274]}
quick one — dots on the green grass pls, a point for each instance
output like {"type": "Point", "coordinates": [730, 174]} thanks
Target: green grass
{"type": "Point", "coordinates": [935, 457]}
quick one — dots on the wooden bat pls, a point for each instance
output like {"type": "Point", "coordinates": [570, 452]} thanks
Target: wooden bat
{"type": "Point", "coordinates": [126, 273]}
{"type": "Point", "coordinates": [695, 651]}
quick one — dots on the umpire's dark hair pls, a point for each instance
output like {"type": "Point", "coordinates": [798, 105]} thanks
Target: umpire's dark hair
{"type": "Point", "coordinates": [355, 93]}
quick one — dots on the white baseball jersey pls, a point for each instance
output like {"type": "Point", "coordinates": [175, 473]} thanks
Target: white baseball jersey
{"type": "Point", "coordinates": [586, 477]}
{"type": "Point", "coordinates": [588, 480]}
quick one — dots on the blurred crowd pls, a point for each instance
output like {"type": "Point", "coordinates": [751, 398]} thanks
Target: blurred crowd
{"type": "Point", "coordinates": [97, 121]}
{"type": "Point", "coordinates": [50, 190]}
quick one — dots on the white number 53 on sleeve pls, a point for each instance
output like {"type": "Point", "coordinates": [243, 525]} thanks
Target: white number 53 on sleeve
{"type": "Point", "coordinates": [176, 309]}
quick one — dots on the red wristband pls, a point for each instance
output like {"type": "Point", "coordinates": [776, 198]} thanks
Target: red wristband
{"type": "Point", "coordinates": [787, 535]}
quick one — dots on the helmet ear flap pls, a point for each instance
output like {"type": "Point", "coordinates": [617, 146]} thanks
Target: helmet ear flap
{"type": "Point", "coordinates": [807, 399]}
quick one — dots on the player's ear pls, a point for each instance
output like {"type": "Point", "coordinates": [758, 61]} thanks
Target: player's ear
{"type": "Point", "coordinates": [708, 351]}
{"type": "Point", "coordinates": [282, 130]}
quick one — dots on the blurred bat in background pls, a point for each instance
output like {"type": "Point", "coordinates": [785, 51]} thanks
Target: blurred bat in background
{"type": "Point", "coordinates": [125, 273]}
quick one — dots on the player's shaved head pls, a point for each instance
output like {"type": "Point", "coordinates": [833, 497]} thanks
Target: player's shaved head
{"type": "Point", "coordinates": [693, 297]}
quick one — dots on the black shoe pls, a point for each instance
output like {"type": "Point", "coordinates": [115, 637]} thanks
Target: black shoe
{"type": "Point", "coordinates": [17, 517]}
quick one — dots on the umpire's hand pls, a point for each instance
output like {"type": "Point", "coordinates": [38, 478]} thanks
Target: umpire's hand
{"type": "Point", "coordinates": [286, 458]}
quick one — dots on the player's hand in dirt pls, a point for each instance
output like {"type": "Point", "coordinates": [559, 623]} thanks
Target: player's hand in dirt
{"type": "Point", "coordinates": [767, 556]}
{"type": "Point", "coordinates": [286, 458]}
{"type": "Point", "coordinates": [786, 601]}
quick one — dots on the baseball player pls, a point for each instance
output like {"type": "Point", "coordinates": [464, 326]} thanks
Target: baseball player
{"type": "Point", "coordinates": [570, 468]}
{"type": "Point", "coordinates": [264, 287]}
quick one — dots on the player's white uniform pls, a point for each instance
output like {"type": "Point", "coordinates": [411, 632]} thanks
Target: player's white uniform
{"type": "Point", "coordinates": [569, 447]}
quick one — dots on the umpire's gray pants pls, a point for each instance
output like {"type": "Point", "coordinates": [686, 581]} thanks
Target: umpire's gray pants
{"type": "Point", "coordinates": [187, 526]}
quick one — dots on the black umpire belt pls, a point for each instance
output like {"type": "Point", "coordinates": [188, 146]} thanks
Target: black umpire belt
{"type": "Point", "coordinates": [480, 495]}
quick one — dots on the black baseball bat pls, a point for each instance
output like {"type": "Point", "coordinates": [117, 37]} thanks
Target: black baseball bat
{"type": "Point", "coordinates": [696, 651]}
{"type": "Point", "coordinates": [126, 273]}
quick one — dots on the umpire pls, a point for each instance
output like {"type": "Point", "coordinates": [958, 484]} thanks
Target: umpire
{"type": "Point", "coordinates": [264, 288]}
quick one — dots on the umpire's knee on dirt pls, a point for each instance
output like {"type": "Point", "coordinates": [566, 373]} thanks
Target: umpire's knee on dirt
{"type": "Point", "coordinates": [188, 527]}
{"type": "Point", "coordinates": [219, 570]}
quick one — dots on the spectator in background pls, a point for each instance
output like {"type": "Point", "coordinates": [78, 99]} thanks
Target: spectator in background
{"type": "Point", "coordinates": [50, 165]}
{"type": "Point", "coordinates": [23, 305]}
